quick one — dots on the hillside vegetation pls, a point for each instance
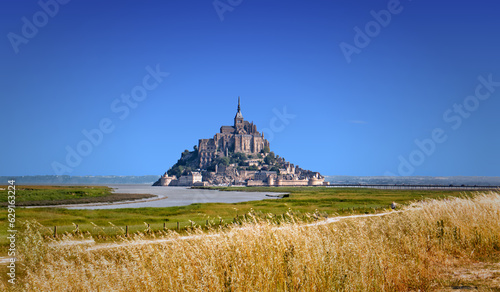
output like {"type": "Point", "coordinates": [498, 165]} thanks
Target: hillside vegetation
{"type": "Point", "coordinates": [400, 251]}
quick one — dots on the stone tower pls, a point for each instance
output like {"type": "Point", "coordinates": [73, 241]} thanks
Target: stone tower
{"type": "Point", "coordinates": [238, 119]}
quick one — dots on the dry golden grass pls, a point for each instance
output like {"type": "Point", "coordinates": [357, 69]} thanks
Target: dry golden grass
{"type": "Point", "coordinates": [402, 251]}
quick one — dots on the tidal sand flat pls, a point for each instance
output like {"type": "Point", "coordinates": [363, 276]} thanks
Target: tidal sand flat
{"type": "Point", "coordinates": [175, 196]}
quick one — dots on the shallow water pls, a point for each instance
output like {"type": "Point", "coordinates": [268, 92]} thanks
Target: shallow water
{"type": "Point", "coordinates": [176, 196]}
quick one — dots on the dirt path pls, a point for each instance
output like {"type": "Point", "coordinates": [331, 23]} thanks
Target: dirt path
{"type": "Point", "coordinates": [188, 237]}
{"type": "Point", "coordinates": [474, 277]}
{"type": "Point", "coordinates": [480, 276]}
{"type": "Point", "coordinates": [97, 246]}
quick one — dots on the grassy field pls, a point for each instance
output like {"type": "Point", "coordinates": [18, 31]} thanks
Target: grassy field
{"type": "Point", "coordinates": [412, 250]}
{"type": "Point", "coordinates": [322, 202]}
{"type": "Point", "coordinates": [62, 195]}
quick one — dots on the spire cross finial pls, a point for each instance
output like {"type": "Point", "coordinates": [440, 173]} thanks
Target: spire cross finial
{"type": "Point", "coordinates": [238, 103]}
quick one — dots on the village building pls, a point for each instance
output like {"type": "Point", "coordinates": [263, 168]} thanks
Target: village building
{"type": "Point", "coordinates": [193, 178]}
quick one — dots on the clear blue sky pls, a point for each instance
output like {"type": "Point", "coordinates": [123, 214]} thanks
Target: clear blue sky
{"type": "Point", "coordinates": [361, 87]}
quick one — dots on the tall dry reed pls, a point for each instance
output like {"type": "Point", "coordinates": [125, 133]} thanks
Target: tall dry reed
{"type": "Point", "coordinates": [400, 251]}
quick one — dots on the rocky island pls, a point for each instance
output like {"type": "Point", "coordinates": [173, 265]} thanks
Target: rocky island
{"type": "Point", "coordinates": [237, 155]}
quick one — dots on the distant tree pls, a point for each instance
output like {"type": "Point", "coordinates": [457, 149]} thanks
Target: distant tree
{"type": "Point", "coordinates": [238, 157]}
{"type": "Point", "coordinates": [176, 170]}
{"type": "Point", "coordinates": [252, 167]}
{"type": "Point", "coordinates": [265, 149]}
{"type": "Point", "coordinates": [223, 161]}
{"type": "Point", "coordinates": [180, 171]}
{"type": "Point", "coordinates": [270, 158]}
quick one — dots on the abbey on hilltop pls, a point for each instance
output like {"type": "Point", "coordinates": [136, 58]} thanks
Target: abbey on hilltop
{"type": "Point", "coordinates": [237, 155]}
{"type": "Point", "coordinates": [242, 137]}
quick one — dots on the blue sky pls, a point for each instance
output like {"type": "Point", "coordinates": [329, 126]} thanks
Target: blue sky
{"type": "Point", "coordinates": [341, 87]}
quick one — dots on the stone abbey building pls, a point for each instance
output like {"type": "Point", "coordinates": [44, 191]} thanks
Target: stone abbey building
{"type": "Point", "coordinates": [248, 162]}
{"type": "Point", "coordinates": [241, 137]}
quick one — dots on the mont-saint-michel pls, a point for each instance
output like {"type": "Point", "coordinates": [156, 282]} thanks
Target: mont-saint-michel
{"type": "Point", "coordinates": [237, 155]}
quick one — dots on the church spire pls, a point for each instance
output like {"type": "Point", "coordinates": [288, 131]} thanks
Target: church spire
{"type": "Point", "coordinates": [238, 119]}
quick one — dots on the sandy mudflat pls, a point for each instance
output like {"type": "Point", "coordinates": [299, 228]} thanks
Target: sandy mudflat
{"type": "Point", "coordinates": [174, 196]}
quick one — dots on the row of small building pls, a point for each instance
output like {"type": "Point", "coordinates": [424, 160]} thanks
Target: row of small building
{"type": "Point", "coordinates": [260, 178]}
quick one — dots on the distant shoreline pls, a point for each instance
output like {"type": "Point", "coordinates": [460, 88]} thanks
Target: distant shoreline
{"type": "Point", "coordinates": [333, 179]}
